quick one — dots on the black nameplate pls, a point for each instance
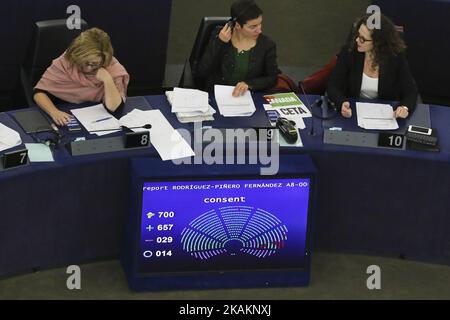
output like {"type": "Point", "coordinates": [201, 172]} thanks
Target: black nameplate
{"type": "Point", "coordinates": [137, 139]}
{"type": "Point", "coordinates": [391, 140]}
{"type": "Point", "coordinates": [15, 159]}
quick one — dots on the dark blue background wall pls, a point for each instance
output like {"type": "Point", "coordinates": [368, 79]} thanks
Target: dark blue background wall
{"type": "Point", "coordinates": [427, 32]}
{"type": "Point", "coordinates": [138, 28]}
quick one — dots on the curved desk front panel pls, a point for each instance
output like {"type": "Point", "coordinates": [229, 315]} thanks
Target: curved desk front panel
{"type": "Point", "coordinates": [371, 201]}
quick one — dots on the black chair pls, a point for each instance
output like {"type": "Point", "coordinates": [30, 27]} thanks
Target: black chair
{"type": "Point", "coordinates": [50, 39]}
{"type": "Point", "coordinates": [204, 33]}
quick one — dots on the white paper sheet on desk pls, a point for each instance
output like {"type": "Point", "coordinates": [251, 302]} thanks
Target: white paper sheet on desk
{"type": "Point", "coordinates": [189, 100]}
{"type": "Point", "coordinates": [376, 116]}
{"type": "Point", "coordinates": [166, 140]}
{"type": "Point", "coordinates": [229, 106]}
{"type": "Point", "coordinates": [39, 152]}
{"type": "Point", "coordinates": [9, 138]}
{"type": "Point", "coordinates": [87, 117]}
{"type": "Point", "coordinates": [379, 124]}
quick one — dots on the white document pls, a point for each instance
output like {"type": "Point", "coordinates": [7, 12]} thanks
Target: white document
{"type": "Point", "coordinates": [189, 100]}
{"type": "Point", "coordinates": [379, 124]}
{"type": "Point", "coordinates": [135, 118]}
{"type": "Point", "coordinates": [39, 152]}
{"type": "Point", "coordinates": [9, 138]}
{"type": "Point", "coordinates": [97, 118]}
{"type": "Point", "coordinates": [229, 106]}
{"type": "Point", "coordinates": [166, 140]}
{"type": "Point", "coordinates": [376, 116]}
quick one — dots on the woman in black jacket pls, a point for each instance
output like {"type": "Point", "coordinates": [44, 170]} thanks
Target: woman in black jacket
{"type": "Point", "coordinates": [240, 55]}
{"type": "Point", "coordinates": [373, 66]}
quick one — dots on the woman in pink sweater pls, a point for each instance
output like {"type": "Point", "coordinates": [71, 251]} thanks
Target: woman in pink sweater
{"type": "Point", "coordinates": [86, 71]}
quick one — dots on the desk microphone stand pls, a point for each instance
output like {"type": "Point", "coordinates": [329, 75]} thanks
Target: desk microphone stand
{"type": "Point", "coordinates": [121, 128]}
{"type": "Point", "coordinates": [308, 105]}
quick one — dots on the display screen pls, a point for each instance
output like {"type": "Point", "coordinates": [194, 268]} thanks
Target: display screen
{"type": "Point", "coordinates": [224, 225]}
{"type": "Point", "coordinates": [420, 129]}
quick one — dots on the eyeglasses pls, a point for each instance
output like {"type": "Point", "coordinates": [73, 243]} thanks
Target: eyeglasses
{"type": "Point", "coordinates": [362, 39]}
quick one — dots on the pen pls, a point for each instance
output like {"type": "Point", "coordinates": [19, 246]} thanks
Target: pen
{"type": "Point", "coordinates": [103, 119]}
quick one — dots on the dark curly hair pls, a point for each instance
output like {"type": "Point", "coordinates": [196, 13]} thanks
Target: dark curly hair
{"type": "Point", "coordinates": [387, 41]}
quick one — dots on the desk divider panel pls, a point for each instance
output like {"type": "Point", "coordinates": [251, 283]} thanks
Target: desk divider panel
{"type": "Point", "coordinates": [96, 146]}
{"type": "Point", "coordinates": [350, 138]}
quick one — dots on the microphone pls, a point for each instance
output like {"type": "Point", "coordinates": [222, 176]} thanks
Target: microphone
{"type": "Point", "coordinates": [311, 132]}
{"type": "Point", "coordinates": [50, 138]}
{"type": "Point", "coordinates": [54, 127]}
{"type": "Point", "coordinates": [121, 128]}
{"type": "Point", "coordinates": [325, 104]}
{"type": "Point", "coordinates": [56, 131]}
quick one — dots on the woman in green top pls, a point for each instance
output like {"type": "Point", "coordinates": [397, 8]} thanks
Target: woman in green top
{"type": "Point", "coordinates": [240, 55]}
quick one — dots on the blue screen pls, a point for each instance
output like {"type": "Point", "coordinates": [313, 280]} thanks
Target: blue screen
{"type": "Point", "coordinates": [224, 225]}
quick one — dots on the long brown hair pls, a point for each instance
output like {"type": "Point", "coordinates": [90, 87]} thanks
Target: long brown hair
{"type": "Point", "coordinates": [387, 41]}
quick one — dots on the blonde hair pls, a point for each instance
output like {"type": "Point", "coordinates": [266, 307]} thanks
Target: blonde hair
{"type": "Point", "coordinates": [92, 42]}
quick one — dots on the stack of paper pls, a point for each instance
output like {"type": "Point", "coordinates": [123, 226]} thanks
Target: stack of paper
{"type": "Point", "coordinates": [190, 105]}
{"type": "Point", "coordinates": [166, 140]}
{"type": "Point", "coordinates": [230, 106]}
{"type": "Point", "coordinates": [189, 100]}
{"type": "Point", "coordinates": [96, 118]}
{"type": "Point", "coordinates": [9, 138]}
{"type": "Point", "coordinates": [376, 116]}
